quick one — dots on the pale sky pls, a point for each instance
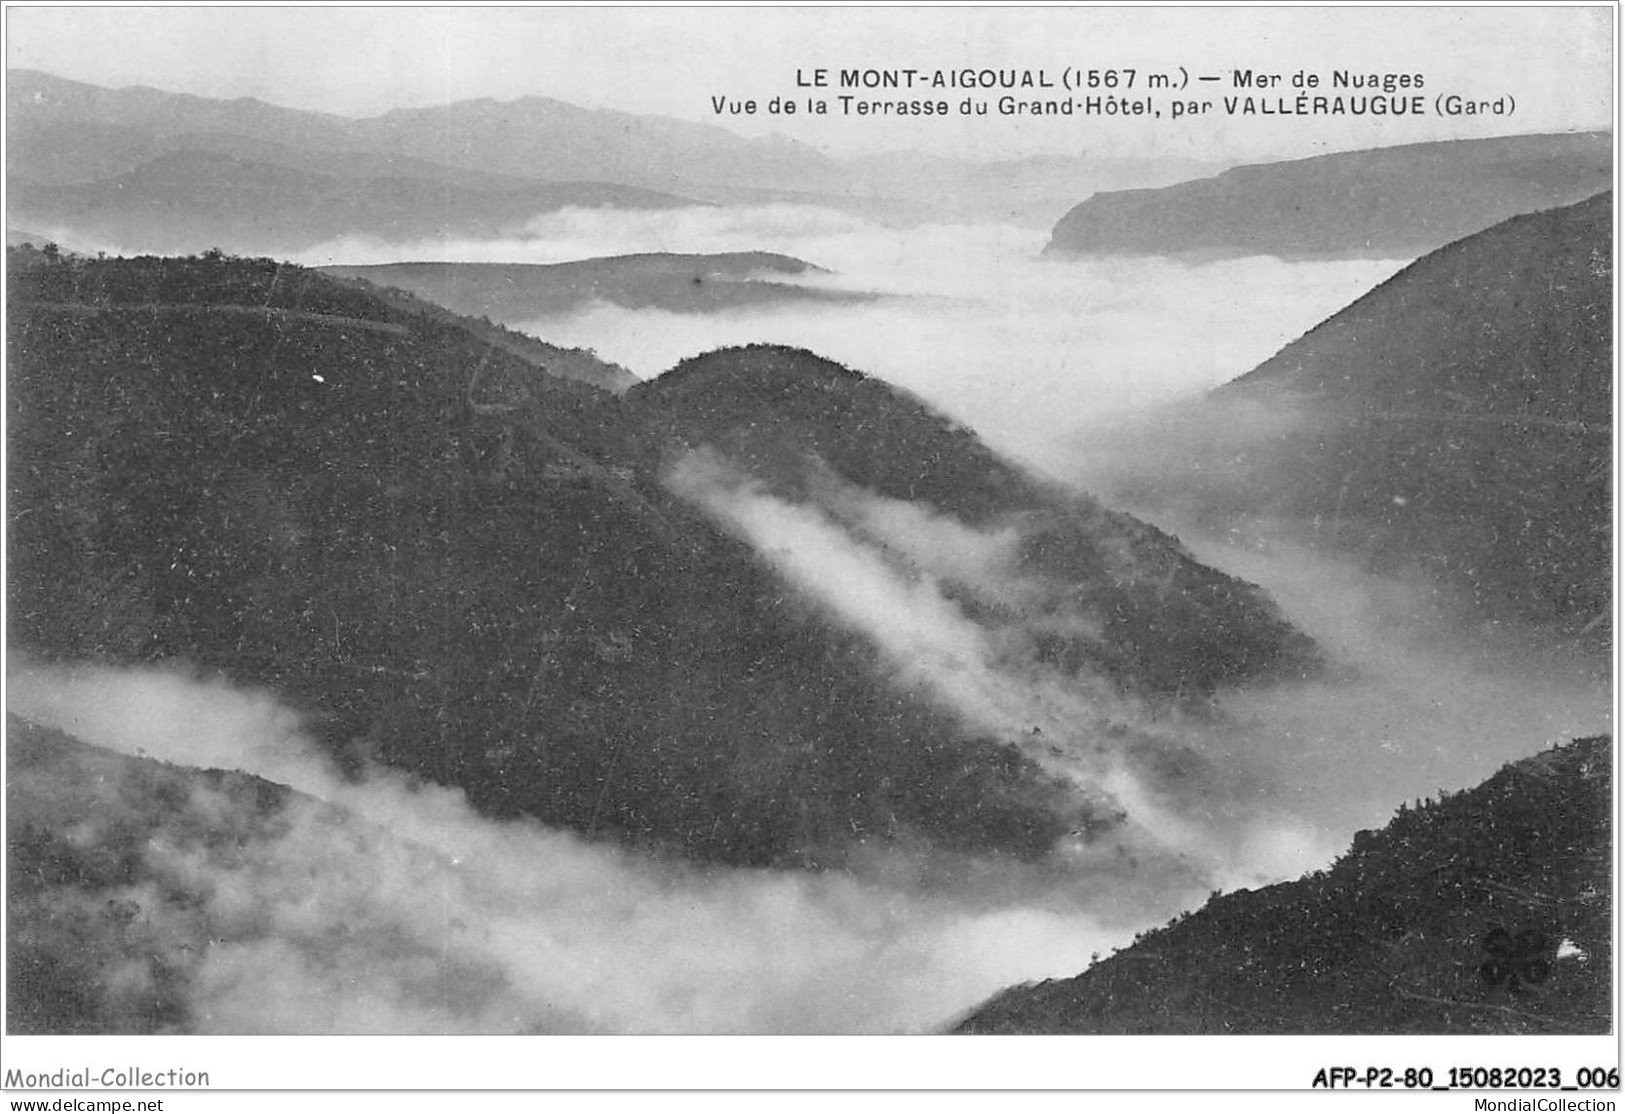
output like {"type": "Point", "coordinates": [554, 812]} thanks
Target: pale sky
{"type": "Point", "coordinates": [1553, 65]}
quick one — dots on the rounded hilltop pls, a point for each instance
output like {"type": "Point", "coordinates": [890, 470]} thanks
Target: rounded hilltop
{"type": "Point", "coordinates": [755, 365]}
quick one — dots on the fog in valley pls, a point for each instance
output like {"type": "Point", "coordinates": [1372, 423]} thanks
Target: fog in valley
{"type": "Point", "coordinates": [404, 911]}
{"type": "Point", "coordinates": [971, 318]}
{"type": "Point", "coordinates": [1073, 367]}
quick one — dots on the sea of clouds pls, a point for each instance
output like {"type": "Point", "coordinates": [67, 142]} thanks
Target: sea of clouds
{"type": "Point", "coordinates": [1023, 347]}
{"type": "Point", "coordinates": [547, 932]}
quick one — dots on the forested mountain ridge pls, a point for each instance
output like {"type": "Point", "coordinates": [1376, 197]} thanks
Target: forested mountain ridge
{"type": "Point", "coordinates": [1485, 911]}
{"type": "Point", "coordinates": [1460, 415]}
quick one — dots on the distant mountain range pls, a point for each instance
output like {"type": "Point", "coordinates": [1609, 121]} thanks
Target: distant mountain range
{"type": "Point", "coordinates": [1388, 202]}
{"type": "Point", "coordinates": [71, 132]}
{"type": "Point", "coordinates": [519, 293]}
{"type": "Point", "coordinates": [129, 165]}
{"type": "Point", "coordinates": [190, 201]}
{"type": "Point", "coordinates": [132, 166]}
{"type": "Point", "coordinates": [486, 574]}
{"type": "Point", "coordinates": [1486, 911]}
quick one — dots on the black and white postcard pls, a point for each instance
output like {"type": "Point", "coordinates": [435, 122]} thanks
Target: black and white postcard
{"type": "Point", "coordinates": [950, 526]}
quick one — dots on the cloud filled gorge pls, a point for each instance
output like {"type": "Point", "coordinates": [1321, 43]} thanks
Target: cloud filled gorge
{"type": "Point", "coordinates": [1422, 697]}
{"type": "Point", "coordinates": [378, 906]}
{"type": "Point", "coordinates": [1427, 690]}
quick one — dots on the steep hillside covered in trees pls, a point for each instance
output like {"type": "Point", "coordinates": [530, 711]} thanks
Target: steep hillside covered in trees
{"type": "Point", "coordinates": [1485, 911]}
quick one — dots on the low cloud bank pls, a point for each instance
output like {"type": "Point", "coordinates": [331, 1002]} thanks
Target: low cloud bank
{"type": "Point", "coordinates": [378, 906]}
{"type": "Point", "coordinates": [1023, 348]}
